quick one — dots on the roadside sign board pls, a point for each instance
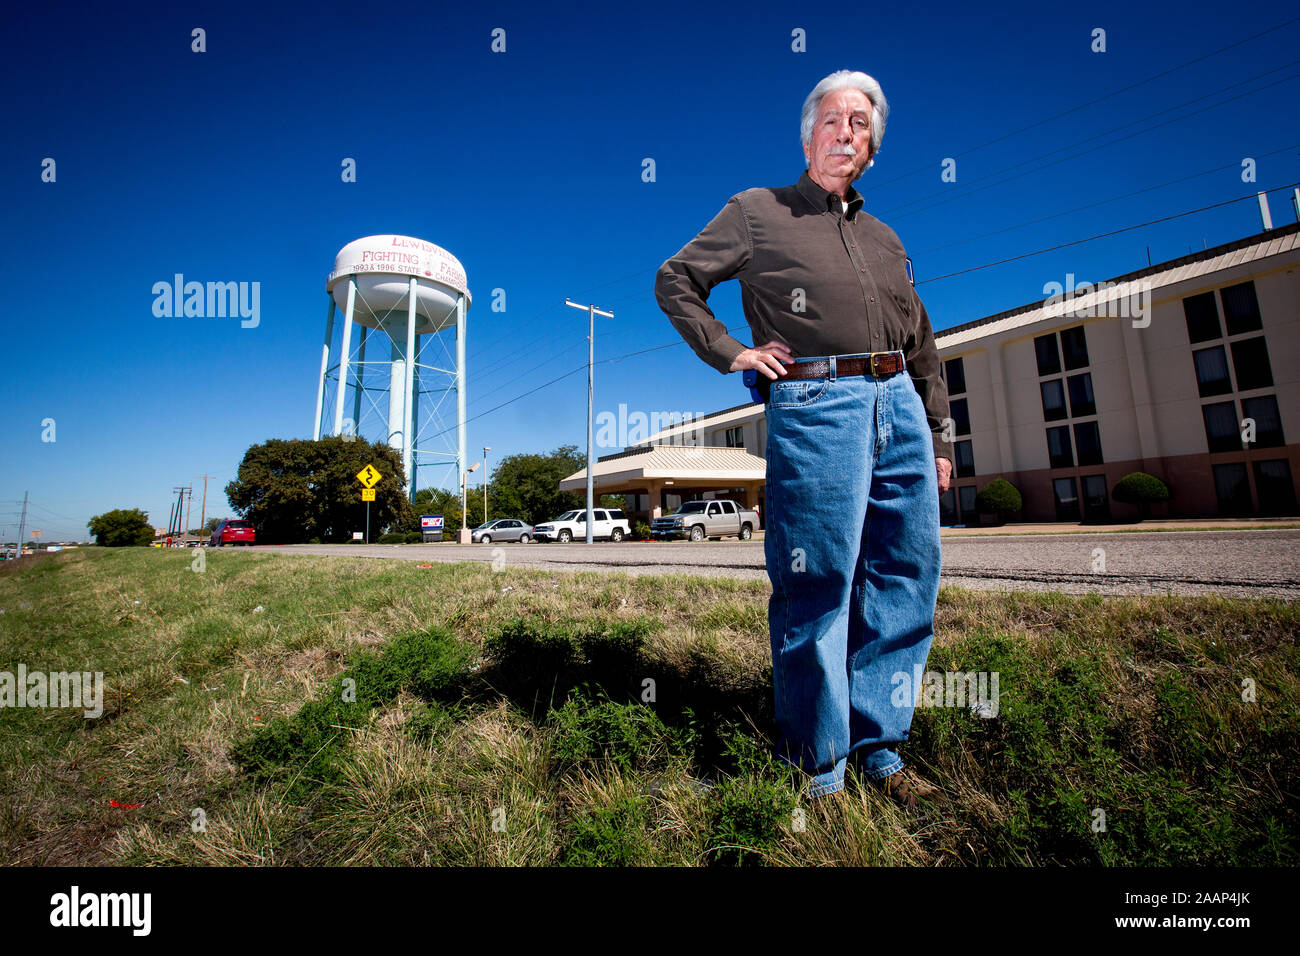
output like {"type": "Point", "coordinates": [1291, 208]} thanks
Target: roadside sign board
{"type": "Point", "coordinates": [369, 476]}
{"type": "Point", "coordinates": [430, 522]}
{"type": "Point", "coordinates": [367, 494]}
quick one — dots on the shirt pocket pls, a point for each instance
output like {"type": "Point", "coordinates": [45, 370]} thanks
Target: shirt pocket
{"type": "Point", "coordinates": [893, 272]}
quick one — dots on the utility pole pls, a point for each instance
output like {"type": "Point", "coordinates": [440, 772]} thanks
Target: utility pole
{"type": "Point", "coordinates": [22, 527]}
{"type": "Point", "coordinates": [592, 312]}
{"type": "Point", "coordinates": [174, 528]}
{"type": "Point", "coordinates": [203, 508]}
{"type": "Point", "coordinates": [486, 473]}
{"type": "Point", "coordinates": [189, 490]}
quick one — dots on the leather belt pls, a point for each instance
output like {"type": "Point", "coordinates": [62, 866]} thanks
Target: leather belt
{"type": "Point", "coordinates": [877, 364]}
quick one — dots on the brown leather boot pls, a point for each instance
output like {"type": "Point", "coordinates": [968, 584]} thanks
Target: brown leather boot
{"type": "Point", "coordinates": [906, 789]}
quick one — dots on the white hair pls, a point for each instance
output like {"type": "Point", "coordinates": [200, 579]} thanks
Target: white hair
{"type": "Point", "coordinates": [848, 80]}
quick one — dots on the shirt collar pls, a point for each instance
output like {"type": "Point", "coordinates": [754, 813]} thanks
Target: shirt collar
{"type": "Point", "coordinates": [827, 201]}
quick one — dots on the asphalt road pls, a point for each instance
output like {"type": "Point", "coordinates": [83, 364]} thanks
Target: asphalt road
{"type": "Point", "coordinates": [1236, 563]}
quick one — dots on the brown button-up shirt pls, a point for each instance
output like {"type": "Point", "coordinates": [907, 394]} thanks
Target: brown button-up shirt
{"type": "Point", "coordinates": [821, 279]}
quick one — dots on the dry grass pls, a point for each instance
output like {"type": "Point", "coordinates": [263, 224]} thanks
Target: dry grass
{"type": "Point", "coordinates": [193, 669]}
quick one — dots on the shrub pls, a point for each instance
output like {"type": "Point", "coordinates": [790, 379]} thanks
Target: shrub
{"type": "Point", "coordinates": [1139, 488]}
{"type": "Point", "coordinates": [631, 736]}
{"type": "Point", "coordinates": [641, 531]}
{"type": "Point", "coordinates": [393, 537]}
{"type": "Point", "coordinates": [999, 497]}
{"type": "Point", "coordinates": [746, 818]}
{"type": "Point", "coordinates": [611, 835]}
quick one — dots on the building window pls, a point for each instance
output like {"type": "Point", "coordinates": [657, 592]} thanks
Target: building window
{"type": "Point", "coordinates": [1212, 371]}
{"type": "Point", "coordinates": [1082, 401]}
{"type": "Point", "coordinates": [1075, 347]}
{"type": "Point", "coordinates": [735, 437]}
{"type": "Point", "coordinates": [1058, 447]}
{"type": "Point", "coordinates": [1241, 308]}
{"type": "Point", "coordinates": [1087, 441]}
{"type": "Point", "coordinates": [1232, 488]}
{"type": "Point", "coordinates": [960, 415]}
{"type": "Point", "coordinates": [1053, 400]}
{"type": "Point", "coordinates": [965, 459]}
{"type": "Point", "coordinates": [1250, 362]}
{"type": "Point", "coordinates": [1096, 504]}
{"type": "Point", "coordinates": [1221, 432]}
{"type": "Point", "coordinates": [955, 375]}
{"type": "Point", "coordinates": [1049, 356]}
{"type": "Point", "coordinates": [1268, 423]}
{"type": "Point", "coordinates": [966, 496]}
{"type": "Point", "coordinates": [948, 508]}
{"type": "Point", "coordinates": [1067, 499]}
{"type": "Point", "coordinates": [1202, 316]}
{"type": "Point", "coordinates": [1275, 487]}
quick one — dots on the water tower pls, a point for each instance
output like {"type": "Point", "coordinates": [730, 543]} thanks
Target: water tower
{"type": "Point", "coordinates": [413, 296]}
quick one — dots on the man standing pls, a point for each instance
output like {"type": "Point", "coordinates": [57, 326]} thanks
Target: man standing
{"type": "Point", "coordinates": [855, 455]}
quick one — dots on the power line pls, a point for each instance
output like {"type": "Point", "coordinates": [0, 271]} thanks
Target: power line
{"type": "Point", "coordinates": [1103, 235]}
{"type": "Point", "coordinates": [905, 209]}
{"type": "Point", "coordinates": [1100, 202]}
{"type": "Point", "coordinates": [1104, 96]}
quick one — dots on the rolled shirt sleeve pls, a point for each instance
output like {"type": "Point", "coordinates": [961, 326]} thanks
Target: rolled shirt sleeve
{"type": "Point", "coordinates": [720, 252]}
{"type": "Point", "coordinates": [923, 365]}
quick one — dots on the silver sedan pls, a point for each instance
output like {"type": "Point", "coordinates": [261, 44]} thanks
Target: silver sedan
{"type": "Point", "coordinates": [502, 529]}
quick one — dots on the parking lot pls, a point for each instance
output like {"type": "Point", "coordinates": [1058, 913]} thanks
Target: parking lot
{"type": "Point", "coordinates": [1235, 563]}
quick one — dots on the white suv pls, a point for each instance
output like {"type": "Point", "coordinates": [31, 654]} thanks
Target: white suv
{"type": "Point", "coordinates": [608, 523]}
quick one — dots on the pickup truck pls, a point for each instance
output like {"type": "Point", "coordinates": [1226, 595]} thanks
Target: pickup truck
{"type": "Point", "coordinates": [608, 523]}
{"type": "Point", "coordinates": [698, 520]}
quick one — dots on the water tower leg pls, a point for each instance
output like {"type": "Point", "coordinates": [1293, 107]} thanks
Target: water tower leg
{"type": "Point", "coordinates": [396, 384]}
{"type": "Point", "coordinates": [415, 424]}
{"type": "Point", "coordinates": [407, 385]}
{"type": "Point", "coordinates": [344, 352]}
{"type": "Point", "coordinates": [361, 380]}
{"type": "Point", "coordinates": [324, 364]}
{"type": "Point", "coordinates": [460, 400]}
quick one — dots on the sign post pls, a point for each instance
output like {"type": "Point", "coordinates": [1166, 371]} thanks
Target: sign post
{"type": "Point", "coordinates": [369, 476]}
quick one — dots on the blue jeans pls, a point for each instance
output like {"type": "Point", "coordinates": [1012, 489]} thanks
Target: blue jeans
{"type": "Point", "coordinates": [852, 548]}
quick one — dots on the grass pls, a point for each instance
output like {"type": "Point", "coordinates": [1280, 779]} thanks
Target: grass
{"type": "Point", "coordinates": [275, 710]}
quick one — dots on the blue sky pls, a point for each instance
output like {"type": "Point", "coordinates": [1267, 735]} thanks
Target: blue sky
{"type": "Point", "coordinates": [527, 166]}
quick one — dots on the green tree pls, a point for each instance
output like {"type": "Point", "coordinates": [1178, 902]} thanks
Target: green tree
{"type": "Point", "coordinates": [528, 486]}
{"type": "Point", "coordinates": [296, 490]}
{"type": "Point", "coordinates": [122, 528]}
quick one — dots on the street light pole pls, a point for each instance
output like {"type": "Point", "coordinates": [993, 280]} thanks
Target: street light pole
{"type": "Point", "coordinates": [464, 507]}
{"type": "Point", "coordinates": [592, 312]}
{"type": "Point", "coordinates": [486, 449]}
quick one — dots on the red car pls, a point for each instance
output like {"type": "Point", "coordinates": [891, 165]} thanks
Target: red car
{"type": "Point", "coordinates": [232, 531]}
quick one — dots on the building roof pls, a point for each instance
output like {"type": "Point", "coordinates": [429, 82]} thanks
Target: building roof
{"type": "Point", "coordinates": [728, 416]}
{"type": "Point", "coordinates": [683, 463]}
{"type": "Point", "coordinates": [1259, 246]}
